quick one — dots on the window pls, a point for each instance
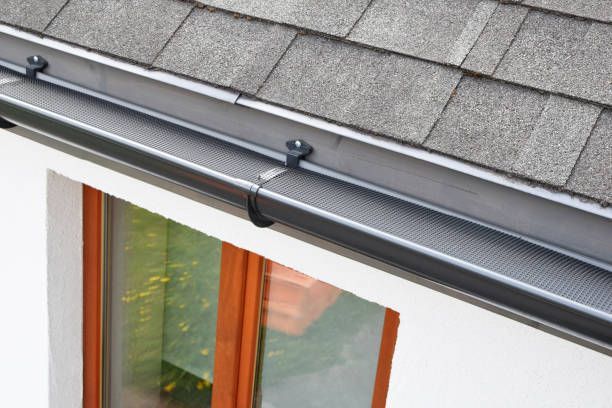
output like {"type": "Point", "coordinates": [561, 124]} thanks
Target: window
{"type": "Point", "coordinates": [316, 340]}
{"type": "Point", "coordinates": [176, 318]}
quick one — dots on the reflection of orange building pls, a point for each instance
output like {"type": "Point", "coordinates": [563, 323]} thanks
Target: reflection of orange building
{"type": "Point", "coordinates": [292, 300]}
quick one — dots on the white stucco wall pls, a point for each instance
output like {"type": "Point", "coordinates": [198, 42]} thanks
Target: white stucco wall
{"type": "Point", "coordinates": [449, 353]}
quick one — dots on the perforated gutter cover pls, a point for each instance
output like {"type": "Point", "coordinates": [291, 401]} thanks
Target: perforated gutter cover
{"type": "Point", "coordinates": [549, 287]}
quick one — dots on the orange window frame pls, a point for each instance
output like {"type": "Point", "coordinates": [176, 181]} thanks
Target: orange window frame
{"type": "Point", "coordinates": [92, 297]}
{"type": "Point", "coordinates": [238, 319]}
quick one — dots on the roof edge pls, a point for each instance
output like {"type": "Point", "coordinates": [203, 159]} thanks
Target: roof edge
{"type": "Point", "coordinates": [437, 181]}
{"type": "Point", "coordinates": [520, 184]}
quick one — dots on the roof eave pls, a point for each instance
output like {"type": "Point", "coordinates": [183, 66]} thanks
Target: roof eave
{"type": "Point", "coordinates": [440, 182]}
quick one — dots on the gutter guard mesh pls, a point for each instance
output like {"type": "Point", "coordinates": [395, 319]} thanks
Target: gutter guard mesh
{"type": "Point", "coordinates": [140, 128]}
{"type": "Point", "coordinates": [490, 249]}
{"type": "Point", "coordinates": [482, 246]}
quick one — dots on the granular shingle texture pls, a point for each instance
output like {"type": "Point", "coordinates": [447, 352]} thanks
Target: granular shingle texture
{"type": "Point", "coordinates": [430, 29]}
{"type": "Point", "coordinates": [533, 75]}
{"type": "Point", "coordinates": [592, 175]}
{"type": "Point", "coordinates": [330, 16]}
{"type": "Point", "coordinates": [382, 93]}
{"type": "Point", "coordinates": [557, 140]}
{"type": "Point", "coordinates": [224, 50]}
{"type": "Point", "coordinates": [495, 39]}
{"type": "Point", "coordinates": [561, 54]}
{"type": "Point", "coordinates": [595, 9]}
{"type": "Point", "coordinates": [133, 29]}
{"type": "Point", "coordinates": [487, 122]}
{"type": "Point", "coordinates": [33, 14]}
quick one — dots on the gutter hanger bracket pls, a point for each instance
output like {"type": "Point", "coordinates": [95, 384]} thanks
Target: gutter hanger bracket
{"type": "Point", "coordinates": [36, 63]}
{"type": "Point", "coordinates": [254, 215]}
{"type": "Point", "coordinates": [5, 124]}
{"type": "Point", "coordinates": [298, 149]}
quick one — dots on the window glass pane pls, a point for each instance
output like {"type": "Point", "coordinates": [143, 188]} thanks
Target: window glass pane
{"type": "Point", "coordinates": [164, 283]}
{"type": "Point", "coordinates": [319, 345]}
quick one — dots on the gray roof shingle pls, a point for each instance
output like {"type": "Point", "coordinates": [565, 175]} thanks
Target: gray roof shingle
{"type": "Point", "coordinates": [133, 29]}
{"type": "Point", "coordinates": [557, 140]}
{"type": "Point", "coordinates": [595, 9]}
{"type": "Point", "coordinates": [382, 93]}
{"type": "Point", "coordinates": [487, 122]}
{"type": "Point", "coordinates": [592, 175]}
{"type": "Point", "coordinates": [334, 17]}
{"type": "Point", "coordinates": [224, 50]}
{"type": "Point", "coordinates": [561, 54]}
{"type": "Point", "coordinates": [536, 80]}
{"type": "Point", "coordinates": [32, 14]}
{"type": "Point", "coordinates": [495, 39]}
{"type": "Point", "coordinates": [438, 30]}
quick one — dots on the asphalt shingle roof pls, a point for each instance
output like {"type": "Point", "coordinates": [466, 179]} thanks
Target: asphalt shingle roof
{"type": "Point", "coordinates": [335, 17]}
{"type": "Point", "coordinates": [561, 54]}
{"type": "Point", "coordinates": [593, 172]}
{"type": "Point", "coordinates": [495, 39]}
{"type": "Point", "coordinates": [382, 93]}
{"type": "Point", "coordinates": [524, 88]}
{"type": "Point", "coordinates": [595, 9]}
{"type": "Point", "coordinates": [487, 121]}
{"type": "Point", "coordinates": [438, 30]}
{"type": "Point", "coordinates": [227, 51]}
{"type": "Point", "coordinates": [133, 29]}
{"type": "Point", "coordinates": [31, 14]}
{"type": "Point", "coordinates": [556, 140]}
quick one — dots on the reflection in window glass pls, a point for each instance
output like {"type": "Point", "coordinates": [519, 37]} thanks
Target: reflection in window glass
{"type": "Point", "coordinates": [319, 345]}
{"type": "Point", "coordinates": [164, 280]}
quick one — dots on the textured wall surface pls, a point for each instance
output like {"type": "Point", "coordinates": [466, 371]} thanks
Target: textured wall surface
{"type": "Point", "coordinates": [64, 290]}
{"type": "Point", "coordinates": [449, 353]}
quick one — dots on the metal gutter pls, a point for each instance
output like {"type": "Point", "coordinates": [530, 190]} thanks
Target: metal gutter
{"type": "Point", "coordinates": [552, 219]}
{"type": "Point", "coordinates": [424, 155]}
{"type": "Point", "coordinates": [364, 221]}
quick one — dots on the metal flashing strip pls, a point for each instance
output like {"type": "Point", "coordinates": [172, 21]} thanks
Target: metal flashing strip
{"type": "Point", "coordinates": [549, 287]}
{"type": "Point", "coordinates": [552, 219]}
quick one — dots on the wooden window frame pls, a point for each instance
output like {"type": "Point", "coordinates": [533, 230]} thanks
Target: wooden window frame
{"type": "Point", "coordinates": [385, 357]}
{"type": "Point", "coordinates": [238, 319]}
{"type": "Point", "coordinates": [92, 296]}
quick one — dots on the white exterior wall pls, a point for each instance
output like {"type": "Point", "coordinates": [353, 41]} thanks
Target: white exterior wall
{"type": "Point", "coordinates": [448, 354]}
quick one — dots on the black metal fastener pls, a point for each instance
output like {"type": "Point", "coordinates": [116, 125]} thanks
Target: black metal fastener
{"type": "Point", "coordinates": [36, 63]}
{"type": "Point", "coordinates": [254, 215]}
{"type": "Point", "coordinates": [298, 149]}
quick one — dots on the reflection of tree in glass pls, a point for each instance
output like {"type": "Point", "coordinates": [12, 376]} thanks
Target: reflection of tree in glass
{"type": "Point", "coordinates": [169, 307]}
